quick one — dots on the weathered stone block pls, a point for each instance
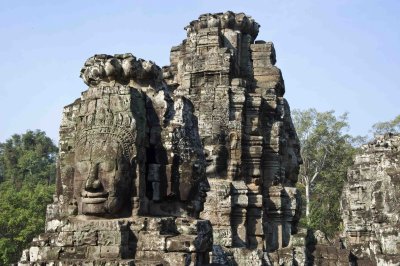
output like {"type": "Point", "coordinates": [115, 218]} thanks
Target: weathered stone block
{"type": "Point", "coordinates": [110, 238]}
{"type": "Point", "coordinates": [110, 251]}
{"type": "Point", "coordinates": [178, 258]}
{"type": "Point", "coordinates": [222, 236]}
{"type": "Point", "coordinates": [73, 253]}
{"type": "Point", "coordinates": [33, 254]}
{"type": "Point", "coordinates": [267, 71]}
{"type": "Point", "coordinates": [93, 252]}
{"type": "Point", "coordinates": [151, 242]}
{"type": "Point", "coordinates": [180, 244]}
{"type": "Point", "coordinates": [85, 238]}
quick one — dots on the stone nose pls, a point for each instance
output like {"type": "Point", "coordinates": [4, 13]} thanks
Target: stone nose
{"type": "Point", "coordinates": [205, 186]}
{"type": "Point", "coordinates": [92, 181]}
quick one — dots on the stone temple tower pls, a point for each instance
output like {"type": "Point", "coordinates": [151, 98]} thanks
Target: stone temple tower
{"type": "Point", "coordinates": [251, 147]}
{"type": "Point", "coordinates": [190, 164]}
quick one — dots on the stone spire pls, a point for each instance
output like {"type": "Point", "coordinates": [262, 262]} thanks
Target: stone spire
{"type": "Point", "coordinates": [250, 144]}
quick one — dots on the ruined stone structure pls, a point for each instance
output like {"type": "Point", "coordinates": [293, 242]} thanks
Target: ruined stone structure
{"type": "Point", "coordinates": [131, 179]}
{"type": "Point", "coordinates": [370, 203]}
{"type": "Point", "coordinates": [143, 146]}
{"type": "Point", "coordinates": [250, 144]}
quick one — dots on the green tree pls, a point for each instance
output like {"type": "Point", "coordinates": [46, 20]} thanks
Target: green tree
{"type": "Point", "coordinates": [392, 126]}
{"type": "Point", "coordinates": [327, 151]}
{"type": "Point", "coordinates": [22, 217]}
{"type": "Point", "coordinates": [29, 157]}
{"type": "Point", "coordinates": [27, 170]}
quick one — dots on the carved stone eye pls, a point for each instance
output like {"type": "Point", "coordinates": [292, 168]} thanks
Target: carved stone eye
{"type": "Point", "coordinates": [107, 166]}
{"type": "Point", "coordinates": [82, 168]}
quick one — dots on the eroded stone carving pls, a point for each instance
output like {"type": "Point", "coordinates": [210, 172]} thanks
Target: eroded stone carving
{"type": "Point", "coordinates": [129, 152]}
{"type": "Point", "coordinates": [103, 175]}
{"type": "Point", "coordinates": [370, 203]}
{"type": "Point", "coordinates": [251, 147]}
{"type": "Point", "coordinates": [143, 146]}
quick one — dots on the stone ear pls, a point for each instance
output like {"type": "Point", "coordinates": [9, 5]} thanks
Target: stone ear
{"type": "Point", "coordinates": [132, 160]}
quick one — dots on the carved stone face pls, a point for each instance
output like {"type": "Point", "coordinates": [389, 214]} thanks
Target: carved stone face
{"type": "Point", "coordinates": [200, 197]}
{"type": "Point", "coordinates": [293, 163]}
{"type": "Point", "coordinates": [102, 178]}
{"type": "Point", "coordinates": [216, 159]}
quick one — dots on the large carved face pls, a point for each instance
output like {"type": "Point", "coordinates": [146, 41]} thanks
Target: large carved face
{"type": "Point", "coordinates": [103, 177]}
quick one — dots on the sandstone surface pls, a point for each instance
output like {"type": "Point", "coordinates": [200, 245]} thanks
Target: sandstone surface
{"type": "Point", "coordinates": [143, 146]}
{"type": "Point", "coordinates": [370, 203]}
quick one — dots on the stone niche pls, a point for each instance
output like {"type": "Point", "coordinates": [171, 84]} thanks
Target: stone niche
{"type": "Point", "coordinates": [194, 163]}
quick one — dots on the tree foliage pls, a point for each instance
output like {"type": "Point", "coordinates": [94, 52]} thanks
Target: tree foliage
{"type": "Point", "coordinates": [392, 126]}
{"type": "Point", "coordinates": [29, 157]}
{"type": "Point", "coordinates": [327, 151]}
{"type": "Point", "coordinates": [22, 217]}
{"type": "Point", "coordinates": [27, 171]}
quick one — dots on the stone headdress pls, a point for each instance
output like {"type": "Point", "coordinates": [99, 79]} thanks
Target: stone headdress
{"type": "Point", "coordinates": [124, 137]}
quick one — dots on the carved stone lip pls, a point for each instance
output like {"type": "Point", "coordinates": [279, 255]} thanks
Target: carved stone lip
{"type": "Point", "coordinates": [87, 194]}
{"type": "Point", "coordinates": [93, 200]}
{"type": "Point", "coordinates": [94, 197]}
{"type": "Point", "coordinates": [203, 195]}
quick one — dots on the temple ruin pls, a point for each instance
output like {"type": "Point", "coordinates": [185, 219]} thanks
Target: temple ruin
{"type": "Point", "coordinates": [196, 163]}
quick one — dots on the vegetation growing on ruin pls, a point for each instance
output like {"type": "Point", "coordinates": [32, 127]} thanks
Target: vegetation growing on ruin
{"type": "Point", "coordinates": [392, 126]}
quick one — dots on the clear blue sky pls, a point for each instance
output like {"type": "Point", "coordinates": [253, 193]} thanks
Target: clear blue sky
{"type": "Point", "coordinates": [342, 55]}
